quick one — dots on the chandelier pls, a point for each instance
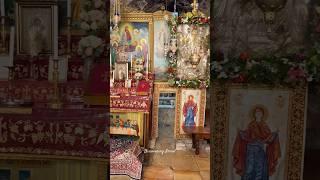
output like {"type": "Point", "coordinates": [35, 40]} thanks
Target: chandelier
{"type": "Point", "coordinates": [116, 18]}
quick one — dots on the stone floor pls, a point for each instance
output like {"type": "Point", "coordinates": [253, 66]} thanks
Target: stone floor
{"type": "Point", "coordinates": [171, 164]}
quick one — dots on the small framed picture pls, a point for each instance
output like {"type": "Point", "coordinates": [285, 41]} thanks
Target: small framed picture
{"type": "Point", "coordinates": [35, 23]}
{"type": "Point", "coordinates": [121, 71]}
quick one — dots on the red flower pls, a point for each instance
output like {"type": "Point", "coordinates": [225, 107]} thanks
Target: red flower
{"type": "Point", "coordinates": [240, 79]}
{"type": "Point", "coordinates": [203, 20]}
{"type": "Point", "coordinates": [244, 56]}
{"type": "Point", "coordinates": [170, 70]}
{"type": "Point", "coordinates": [296, 73]}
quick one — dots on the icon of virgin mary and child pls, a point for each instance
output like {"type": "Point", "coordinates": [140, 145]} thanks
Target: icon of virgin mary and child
{"type": "Point", "coordinates": [256, 150]}
{"type": "Point", "coordinates": [190, 110]}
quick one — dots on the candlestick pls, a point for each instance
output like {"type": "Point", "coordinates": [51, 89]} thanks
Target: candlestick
{"type": "Point", "coordinates": [11, 46]}
{"type": "Point", "coordinates": [69, 36]}
{"type": "Point", "coordinates": [110, 62]}
{"type": "Point", "coordinates": [131, 67]}
{"type": "Point", "coordinates": [127, 71]}
{"type": "Point", "coordinates": [55, 33]}
{"type": "Point", "coordinates": [69, 8]}
{"type": "Point", "coordinates": [2, 11]}
{"type": "Point", "coordinates": [147, 63]}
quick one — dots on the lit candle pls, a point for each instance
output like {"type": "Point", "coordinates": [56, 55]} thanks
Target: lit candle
{"type": "Point", "coordinates": [11, 45]}
{"type": "Point", "coordinates": [110, 62]}
{"type": "Point", "coordinates": [69, 8]}
{"type": "Point", "coordinates": [55, 33]}
{"type": "Point", "coordinates": [147, 64]}
{"type": "Point", "coordinates": [2, 11]}
{"type": "Point", "coordinates": [127, 70]}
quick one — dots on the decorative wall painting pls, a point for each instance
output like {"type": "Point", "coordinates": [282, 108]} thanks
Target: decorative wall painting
{"type": "Point", "coordinates": [132, 44]}
{"type": "Point", "coordinates": [261, 137]}
{"type": "Point", "coordinates": [161, 36]}
{"type": "Point", "coordinates": [35, 23]}
{"type": "Point", "coordinates": [191, 109]}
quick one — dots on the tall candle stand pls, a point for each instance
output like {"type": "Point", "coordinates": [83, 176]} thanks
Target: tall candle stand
{"type": "Point", "coordinates": [10, 100]}
{"type": "Point", "coordinates": [56, 102]}
{"type": "Point", "coordinates": [69, 36]}
{"type": "Point", "coordinates": [3, 49]}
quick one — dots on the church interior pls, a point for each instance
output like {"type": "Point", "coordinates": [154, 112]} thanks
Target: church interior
{"type": "Point", "coordinates": [159, 89]}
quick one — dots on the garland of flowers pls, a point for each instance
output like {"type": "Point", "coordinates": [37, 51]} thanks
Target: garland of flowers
{"type": "Point", "coordinates": [93, 21]}
{"type": "Point", "coordinates": [187, 18]}
{"type": "Point", "coordinates": [289, 70]}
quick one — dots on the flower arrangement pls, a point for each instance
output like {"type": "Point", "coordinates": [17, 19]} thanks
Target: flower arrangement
{"type": "Point", "coordinates": [187, 18]}
{"type": "Point", "coordinates": [191, 18]}
{"type": "Point", "coordinates": [93, 20]}
{"type": "Point", "coordinates": [90, 47]}
{"type": "Point", "coordinates": [93, 16]}
{"type": "Point", "coordinates": [290, 70]}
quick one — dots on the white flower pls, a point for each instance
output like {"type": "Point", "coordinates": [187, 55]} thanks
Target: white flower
{"type": "Point", "coordinates": [273, 70]}
{"type": "Point", "coordinates": [98, 4]}
{"type": "Point", "coordinates": [84, 16]}
{"type": "Point", "coordinates": [222, 75]}
{"type": "Point", "coordinates": [84, 26]}
{"type": "Point", "coordinates": [285, 60]}
{"type": "Point", "coordinates": [310, 78]}
{"type": "Point", "coordinates": [95, 15]}
{"type": "Point", "coordinates": [184, 20]}
{"type": "Point", "coordinates": [94, 26]}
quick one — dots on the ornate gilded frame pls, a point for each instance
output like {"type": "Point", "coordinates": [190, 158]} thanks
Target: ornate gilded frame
{"type": "Point", "coordinates": [160, 87]}
{"type": "Point", "coordinates": [201, 106]}
{"type": "Point", "coordinates": [143, 17]}
{"type": "Point", "coordinates": [20, 5]}
{"type": "Point", "coordinates": [220, 126]}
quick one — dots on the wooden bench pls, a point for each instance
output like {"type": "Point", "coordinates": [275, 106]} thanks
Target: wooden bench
{"type": "Point", "coordinates": [197, 133]}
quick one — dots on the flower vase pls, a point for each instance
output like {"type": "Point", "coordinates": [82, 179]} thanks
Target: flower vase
{"type": "Point", "coordinates": [87, 68]}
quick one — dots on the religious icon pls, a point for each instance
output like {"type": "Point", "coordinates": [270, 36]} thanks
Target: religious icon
{"type": "Point", "coordinates": [126, 36]}
{"type": "Point", "coordinates": [130, 42]}
{"type": "Point", "coordinates": [37, 37]}
{"type": "Point", "coordinates": [256, 150]}
{"type": "Point", "coordinates": [190, 110]}
{"type": "Point", "coordinates": [35, 28]}
{"type": "Point", "coordinates": [121, 71]}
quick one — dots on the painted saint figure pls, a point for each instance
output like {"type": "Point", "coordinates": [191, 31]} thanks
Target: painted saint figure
{"type": "Point", "coordinates": [126, 37]}
{"type": "Point", "coordinates": [256, 150]}
{"type": "Point", "coordinates": [190, 110]}
{"type": "Point", "coordinates": [37, 36]}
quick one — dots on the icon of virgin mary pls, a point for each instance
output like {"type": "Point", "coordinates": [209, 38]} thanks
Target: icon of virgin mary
{"type": "Point", "coordinates": [190, 110]}
{"type": "Point", "coordinates": [256, 150]}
